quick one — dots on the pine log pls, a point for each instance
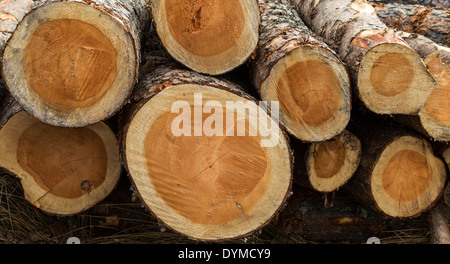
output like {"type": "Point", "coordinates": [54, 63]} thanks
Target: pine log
{"type": "Point", "coordinates": [433, 119]}
{"type": "Point", "coordinates": [427, 21]}
{"type": "Point", "coordinates": [441, 4]}
{"type": "Point", "coordinates": [326, 166]}
{"type": "Point", "coordinates": [74, 63]}
{"type": "Point", "coordinates": [230, 181]}
{"type": "Point", "coordinates": [212, 37]}
{"type": "Point", "coordinates": [389, 77]}
{"type": "Point", "coordinates": [300, 71]}
{"type": "Point", "coordinates": [399, 175]}
{"type": "Point", "coordinates": [63, 171]}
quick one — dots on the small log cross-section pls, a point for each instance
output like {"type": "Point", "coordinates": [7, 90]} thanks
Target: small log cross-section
{"type": "Point", "coordinates": [63, 171]}
{"type": "Point", "coordinates": [74, 63]}
{"type": "Point", "coordinates": [389, 76]}
{"type": "Point", "coordinates": [208, 36]}
{"type": "Point", "coordinates": [434, 116]}
{"type": "Point", "coordinates": [429, 22]}
{"type": "Point", "coordinates": [398, 174]}
{"type": "Point", "coordinates": [331, 164]}
{"type": "Point", "coordinates": [228, 184]}
{"type": "Point", "coordinates": [326, 166]}
{"type": "Point", "coordinates": [308, 79]}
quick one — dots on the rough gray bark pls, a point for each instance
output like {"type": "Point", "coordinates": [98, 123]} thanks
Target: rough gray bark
{"type": "Point", "coordinates": [341, 26]}
{"type": "Point", "coordinates": [8, 106]}
{"type": "Point", "coordinates": [430, 3]}
{"type": "Point", "coordinates": [11, 13]}
{"type": "Point", "coordinates": [425, 46]}
{"type": "Point", "coordinates": [429, 22]}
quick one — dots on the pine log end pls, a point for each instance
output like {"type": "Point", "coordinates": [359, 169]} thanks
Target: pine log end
{"type": "Point", "coordinates": [211, 37]}
{"type": "Point", "coordinates": [229, 185]}
{"type": "Point", "coordinates": [313, 89]}
{"type": "Point", "coordinates": [392, 79]}
{"type": "Point", "coordinates": [407, 178]}
{"type": "Point", "coordinates": [70, 64]}
{"type": "Point", "coordinates": [63, 171]}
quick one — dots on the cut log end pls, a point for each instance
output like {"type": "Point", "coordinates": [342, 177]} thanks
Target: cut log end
{"type": "Point", "coordinates": [70, 68]}
{"type": "Point", "coordinates": [408, 178]}
{"type": "Point", "coordinates": [211, 37]}
{"type": "Point", "coordinates": [435, 116]}
{"type": "Point", "coordinates": [228, 186]}
{"type": "Point", "coordinates": [76, 51]}
{"type": "Point", "coordinates": [63, 170]}
{"type": "Point", "coordinates": [392, 79]}
{"type": "Point", "coordinates": [312, 87]}
{"type": "Point", "coordinates": [331, 164]}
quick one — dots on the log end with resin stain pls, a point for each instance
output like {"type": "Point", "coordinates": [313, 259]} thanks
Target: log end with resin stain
{"type": "Point", "coordinates": [211, 37]}
{"type": "Point", "coordinates": [392, 78]}
{"type": "Point", "coordinates": [228, 184]}
{"type": "Point", "coordinates": [63, 171]}
{"type": "Point", "coordinates": [71, 63]}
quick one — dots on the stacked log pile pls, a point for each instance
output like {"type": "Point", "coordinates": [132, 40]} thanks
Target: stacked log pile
{"type": "Point", "coordinates": [217, 110]}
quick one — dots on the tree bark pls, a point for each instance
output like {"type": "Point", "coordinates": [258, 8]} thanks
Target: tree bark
{"type": "Point", "coordinates": [212, 38]}
{"type": "Point", "coordinates": [425, 46]}
{"type": "Point", "coordinates": [300, 71]}
{"type": "Point", "coordinates": [442, 4]}
{"type": "Point", "coordinates": [429, 22]}
{"type": "Point", "coordinates": [11, 12]}
{"type": "Point", "coordinates": [63, 171]}
{"type": "Point", "coordinates": [76, 68]}
{"type": "Point", "coordinates": [208, 196]}
{"type": "Point", "coordinates": [372, 53]}
{"type": "Point", "coordinates": [387, 151]}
